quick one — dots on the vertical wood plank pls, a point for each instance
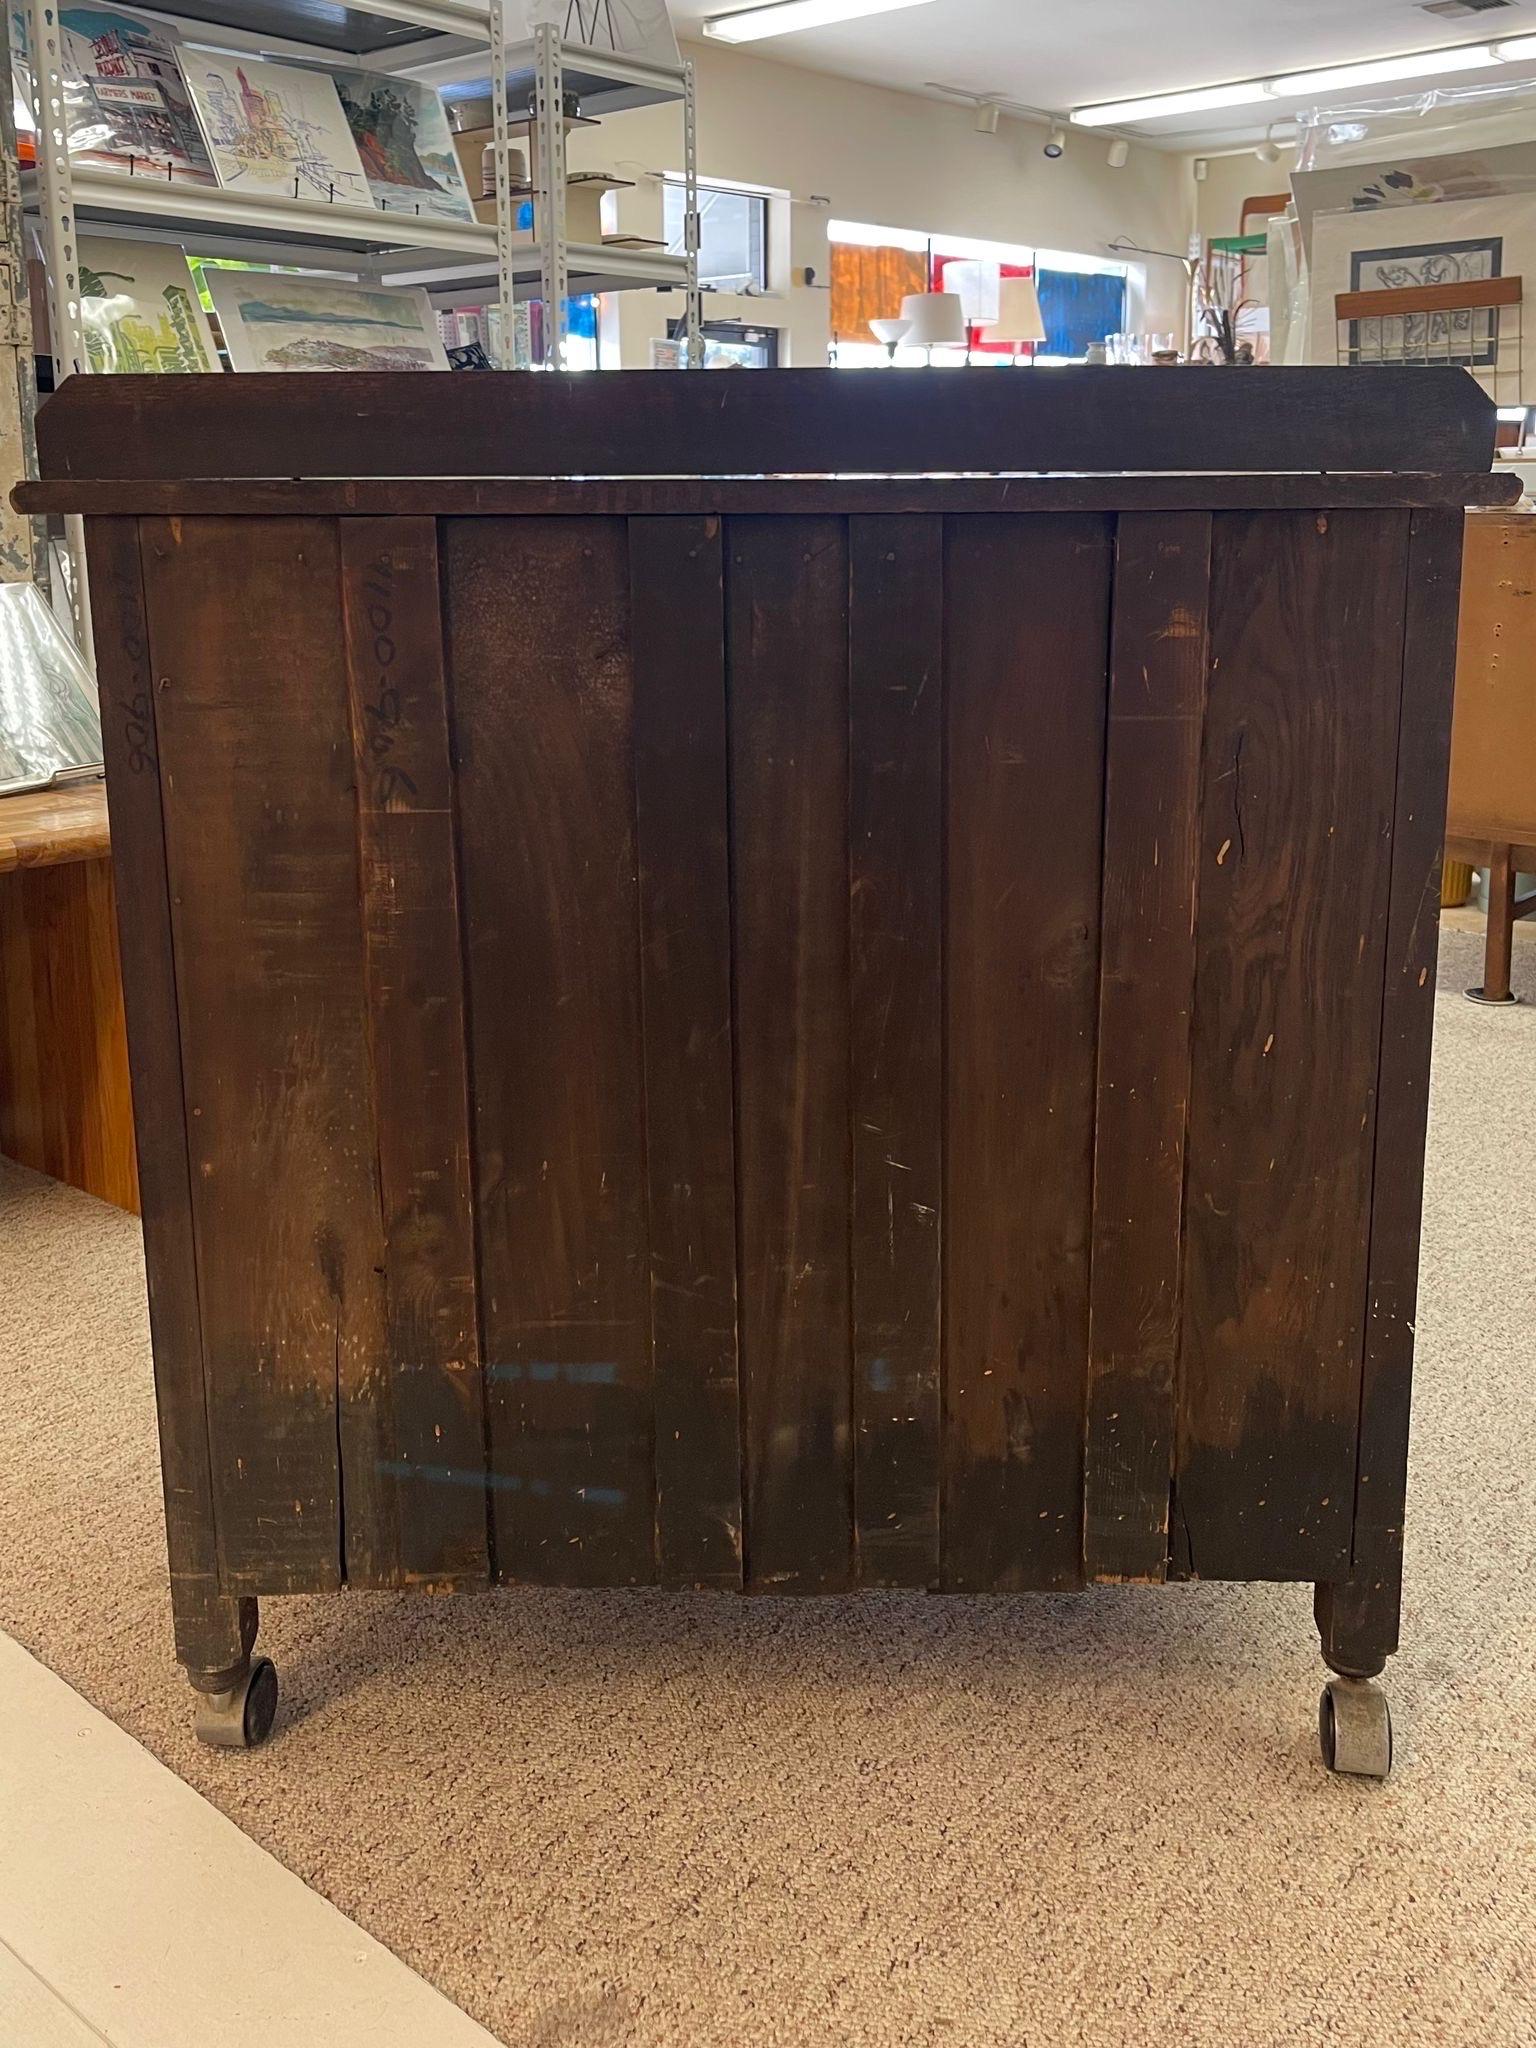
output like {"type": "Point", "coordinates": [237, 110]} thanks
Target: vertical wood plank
{"type": "Point", "coordinates": [1412, 940]}
{"type": "Point", "coordinates": [678, 600]}
{"type": "Point", "coordinates": [256, 752]}
{"type": "Point", "coordinates": [788, 664]}
{"type": "Point", "coordinates": [1146, 989]}
{"type": "Point", "coordinates": [542, 704]}
{"type": "Point", "coordinates": [128, 726]}
{"type": "Point", "coordinates": [896, 797]}
{"type": "Point", "coordinates": [425, 1431]}
{"type": "Point", "coordinates": [1028, 603]}
{"type": "Point", "coordinates": [1295, 852]}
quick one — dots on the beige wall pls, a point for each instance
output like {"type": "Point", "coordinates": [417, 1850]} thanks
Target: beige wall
{"type": "Point", "coordinates": [894, 159]}
{"type": "Point", "coordinates": [1229, 180]}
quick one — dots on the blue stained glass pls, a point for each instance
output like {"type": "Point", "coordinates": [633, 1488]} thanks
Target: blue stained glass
{"type": "Point", "coordinates": [1079, 308]}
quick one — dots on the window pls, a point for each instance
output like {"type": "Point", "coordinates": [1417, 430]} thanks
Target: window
{"type": "Point", "coordinates": [1082, 298]}
{"type": "Point", "coordinates": [733, 235]}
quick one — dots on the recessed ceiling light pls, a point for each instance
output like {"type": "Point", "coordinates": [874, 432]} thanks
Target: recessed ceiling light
{"type": "Point", "coordinates": [782, 17]}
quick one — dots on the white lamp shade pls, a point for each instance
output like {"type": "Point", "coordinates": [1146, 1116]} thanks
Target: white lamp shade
{"type": "Point", "coordinates": [978, 284]}
{"type": "Point", "coordinates": [1018, 313]}
{"type": "Point", "coordinates": [890, 331]}
{"type": "Point", "coordinates": [935, 319]}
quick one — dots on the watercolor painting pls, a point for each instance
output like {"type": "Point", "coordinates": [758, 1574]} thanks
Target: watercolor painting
{"type": "Point", "coordinates": [140, 311]}
{"type": "Point", "coordinates": [273, 321]}
{"type": "Point", "coordinates": [126, 103]}
{"type": "Point", "coordinates": [272, 128]}
{"type": "Point", "coordinates": [405, 145]}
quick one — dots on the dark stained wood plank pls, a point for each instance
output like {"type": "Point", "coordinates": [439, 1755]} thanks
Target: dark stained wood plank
{"type": "Point", "coordinates": [260, 820]}
{"type": "Point", "coordinates": [896, 760]}
{"type": "Point", "coordinates": [631, 423]}
{"type": "Point", "coordinates": [428, 1433]}
{"type": "Point", "coordinates": [701, 497]}
{"type": "Point", "coordinates": [787, 585]}
{"type": "Point", "coordinates": [1412, 938]}
{"type": "Point", "coordinates": [1146, 989]}
{"type": "Point", "coordinates": [678, 603]}
{"type": "Point", "coordinates": [1026, 680]}
{"type": "Point", "coordinates": [541, 692]}
{"type": "Point", "coordinates": [1295, 850]}
{"type": "Point", "coordinates": [126, 681]}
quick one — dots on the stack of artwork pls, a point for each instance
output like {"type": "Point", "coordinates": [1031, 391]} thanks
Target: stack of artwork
{"type": "Point", "coordinates": [1459, 218]}
{"type": "Point", "coordinates": [141, 102]}
{"type": "Point", "coordinates": [141, 311]}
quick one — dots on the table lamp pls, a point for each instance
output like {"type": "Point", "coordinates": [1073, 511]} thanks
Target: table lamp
{"type": "Point", "coordinates": [1018, 316]}
{"type": "Point", "coordinates": [892, 333]}
{"type": "Point", "coordinates": [934, 320]}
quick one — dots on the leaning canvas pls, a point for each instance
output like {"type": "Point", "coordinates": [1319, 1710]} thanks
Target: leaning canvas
{"type": "Point", "coordinates": [405, 144]}
{"type": "Point", "coordinates": [1413, 180]}
{"type": "Point", "coordinates": [126, 105]}
{"type": "Point", "coordinates": [637, 28]}
{"type": "Point", "coordinates": [139, 309]}
{"type": "Point", "coordinates": [272, 128]}
{"type": "Point", "coordinates": [275, 322]}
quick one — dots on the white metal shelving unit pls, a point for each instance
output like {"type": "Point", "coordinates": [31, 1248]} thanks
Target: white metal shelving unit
{"type": "Point", "coordinates": [443, 43]}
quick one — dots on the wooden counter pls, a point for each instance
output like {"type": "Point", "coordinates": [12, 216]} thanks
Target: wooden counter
{"type": "Point", "coordinates": [65, 1104]}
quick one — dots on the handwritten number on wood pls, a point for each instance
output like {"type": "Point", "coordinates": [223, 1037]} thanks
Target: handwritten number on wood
{"type": "Point", "coordinates": [385, 716]}
{"type": "Point", "coordinates": [136, 733]}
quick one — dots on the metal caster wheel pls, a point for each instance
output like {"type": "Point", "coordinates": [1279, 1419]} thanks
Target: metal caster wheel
{"type": "Point", "coordinates": [242, 1717]}
{"type": "Point", "coordinates": [1354, 1728]}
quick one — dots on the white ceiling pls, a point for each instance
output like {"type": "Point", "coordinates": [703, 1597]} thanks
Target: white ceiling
{"type": "Point", "coordinates": [1060, 54]}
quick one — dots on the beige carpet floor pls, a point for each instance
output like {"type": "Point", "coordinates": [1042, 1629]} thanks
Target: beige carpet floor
{"type": "Point", "coordinates": [638, 1821]}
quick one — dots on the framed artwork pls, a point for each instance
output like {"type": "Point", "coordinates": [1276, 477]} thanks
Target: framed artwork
{"type": "Point", "coordinates": [272, 321]}
{"type": "Point", "coordinates": [1469, 337]}
{"type": "Point", "coordinates": [405, 145]}
{"type": "Point", "coordinates": [140, 310]}
{"type": "Point", "coordinates": [126, 103]}
{"type": "Point", "coordinates": [272, 128]}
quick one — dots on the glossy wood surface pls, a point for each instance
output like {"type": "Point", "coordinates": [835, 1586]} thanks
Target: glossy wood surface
{"type": "Point", "coordinates": [65, 1104]}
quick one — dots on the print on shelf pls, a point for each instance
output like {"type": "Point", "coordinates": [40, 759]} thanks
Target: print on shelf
{"type": "Point", "coordinates": [276, 128]}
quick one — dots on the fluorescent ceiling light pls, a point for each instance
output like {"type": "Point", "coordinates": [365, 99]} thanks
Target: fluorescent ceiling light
{"type": "Point", "coordinates": [1294, 85]}
{"type": "Point", "coordinates": [1209, 97]}
{"type": "Point", "coordinates": [1422, 64]}
{"type": "Point", "coordinates": [781, 17]}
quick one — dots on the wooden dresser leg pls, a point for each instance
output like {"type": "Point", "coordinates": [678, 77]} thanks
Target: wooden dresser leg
{"type": "Point", "coordinates": [1498, 952]}
{"type": "Point", "coordinates": [236, 1692]}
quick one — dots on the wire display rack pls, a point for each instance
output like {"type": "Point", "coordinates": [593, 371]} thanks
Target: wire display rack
{"type": "Point", "coordinates": [444, 43]}
{"type": "Point", "coordinates": [1477, 326]}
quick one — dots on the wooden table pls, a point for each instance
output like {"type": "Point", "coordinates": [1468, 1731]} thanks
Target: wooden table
{"type": "Point", "coordinates": [702, 1024]}
{"type": "Point", "coordinates": [65, 1105]}
{"type": "Point", "coordinates": [1491, 810]}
